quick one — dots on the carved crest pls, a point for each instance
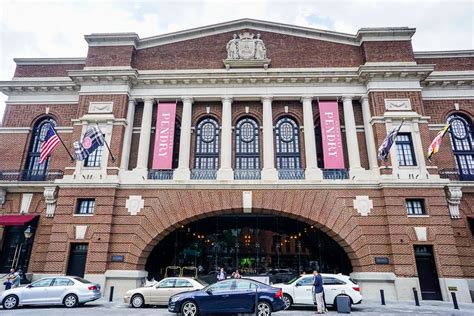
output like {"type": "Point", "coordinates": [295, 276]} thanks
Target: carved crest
{"type": "Point", "coordinates": [246, 50]}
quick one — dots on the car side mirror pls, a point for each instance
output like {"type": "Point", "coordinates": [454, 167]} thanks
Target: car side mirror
{"type": "Point", "coordinates": [298, 284]}
{"type": "Point", "coordinates": [209, 291]}
{"type": "Point", "coordinates": [29, 286]}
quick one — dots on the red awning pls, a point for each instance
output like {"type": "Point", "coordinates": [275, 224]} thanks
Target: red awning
{"type": "Point", "coordinates": [15, 220]}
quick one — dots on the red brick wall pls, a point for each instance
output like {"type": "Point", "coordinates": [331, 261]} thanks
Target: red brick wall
{"type": "Point", "coordinates": [59, 70]}
{"type": "Point", "coordinates": [15, 114]}
{"type": "Point", "coordinates": [208, 53]}
{"type": "Point", "coordinates": [109, 56]}
{"type": "Point", "coordinates": [385, 51]}
{"type": "Point", "coordinates": [449, 64]}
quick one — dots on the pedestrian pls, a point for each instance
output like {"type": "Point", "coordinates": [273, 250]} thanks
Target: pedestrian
{"type": "Point", "coordinates": [8, 279]}
{"type": "Point", "coordinates": [221, 275]}
{"type": "Point", "coordinates": [16, 280]}
{"type": "Point", "coordinates": [236, 274]}
{"type": "Point", "coordinates": [319, 292]}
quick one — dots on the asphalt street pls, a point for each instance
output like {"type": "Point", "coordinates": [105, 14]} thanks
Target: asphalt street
{"type": "Point", "coordinates": [104, 308]}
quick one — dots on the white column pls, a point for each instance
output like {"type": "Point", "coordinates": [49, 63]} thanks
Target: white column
{"type": "Point", "coordinates": [351, 136]}
{"type": "Point", "coordinates": [312, 171]}
{"type": "Point", "coordinates": [369, 135]}
{"type": "Point", "coordinates": [183, 173]}
{"type": "Point", "coordinates": [145, 134]}
{"type": "Point", "coordinates": [225, 172]}
{"type": "Point", "coordinates": [127, 138]}
{"type": "Point", "coordinates": [268, 172]}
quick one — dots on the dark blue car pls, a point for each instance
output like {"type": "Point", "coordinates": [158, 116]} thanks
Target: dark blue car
{"type": "Point", "coordinates": [229, 296]}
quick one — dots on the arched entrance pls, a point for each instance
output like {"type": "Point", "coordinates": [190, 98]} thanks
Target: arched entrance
{"type": "Point", "coordinates": [256, 244]}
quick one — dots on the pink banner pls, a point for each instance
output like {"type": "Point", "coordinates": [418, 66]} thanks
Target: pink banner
{"type": "Point", "coordinates": [164, 136]}
{"type": "Point", "coordinates": [331, 135]}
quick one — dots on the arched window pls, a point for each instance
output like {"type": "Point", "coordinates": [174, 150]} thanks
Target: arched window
{"type": "Point", "coordinates": [247, 149]}
{"type": "Point", "coordinates": [463, 145]}
{"type": "Point", "coordinates": [207, 145]}
{"type": "Point", "coordinates": [34, 170]}
{"type": "Point", "coordinates": [288, 155]}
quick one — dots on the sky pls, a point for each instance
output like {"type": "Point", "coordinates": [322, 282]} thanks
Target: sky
{"type": "Point", "coordinates": [56, 28]}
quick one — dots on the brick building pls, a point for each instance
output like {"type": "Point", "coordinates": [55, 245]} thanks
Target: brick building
{"type": "Point", "coordinates": [249, 185]}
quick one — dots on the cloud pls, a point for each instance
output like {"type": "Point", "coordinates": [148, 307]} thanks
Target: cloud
{"type": "Point", "coordinates": [56, 28]}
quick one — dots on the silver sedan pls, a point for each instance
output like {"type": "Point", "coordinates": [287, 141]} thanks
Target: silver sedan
{"type": "Point", "coordinates": [65, 290]}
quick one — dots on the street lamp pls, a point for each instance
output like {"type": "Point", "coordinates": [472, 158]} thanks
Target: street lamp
{"type": "Point", "coordinates": [28, 233]}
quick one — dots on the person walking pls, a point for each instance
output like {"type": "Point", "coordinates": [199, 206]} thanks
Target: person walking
{"type": "Point", "coordinates": [221, 275]}
{"type": "Point", "coordinates": [236, 275]}
{"type": "Point", "coordinates": [319, 291]}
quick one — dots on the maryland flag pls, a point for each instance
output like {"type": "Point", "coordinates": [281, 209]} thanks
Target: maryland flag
{"type": "Point", "coordinates": [436, 143]}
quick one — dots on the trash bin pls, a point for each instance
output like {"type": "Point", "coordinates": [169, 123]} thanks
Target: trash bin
{"type": "Point", "coordinates": [343, 304]}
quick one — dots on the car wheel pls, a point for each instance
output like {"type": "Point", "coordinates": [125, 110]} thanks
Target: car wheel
{"type": "Point", "coordinates": [287, 300]}
{"type": "Point", "coordinates": [137, 301]}
{"type": "Point", "coordinates": [189, 308]}
{"type": "Point", "coordinates": [70, 301]}
{"type": "Point", "coordinates": [10, 302]}
{"type": "Point", "coordinates": [264, 309]}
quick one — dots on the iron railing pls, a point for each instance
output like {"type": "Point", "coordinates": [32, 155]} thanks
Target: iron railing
{"type": "Point", "coordinates": [291, 174]}
{"type": "Point", "coordinates": [247, 174]}
{"type": "Point", "coordinates": [156, 174]}
{"type": "Point", "coordinates": [335, 174]}
{"type": "Point", "coordinates": [203, 174]}
{"type": "Point", "coordinates": [456, 175]}
{"type": "Point", "coordinates": [30, 175]}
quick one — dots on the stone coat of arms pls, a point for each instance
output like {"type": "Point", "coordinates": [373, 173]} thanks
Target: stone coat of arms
{"type": "Point", "coordinates": [246, 50]}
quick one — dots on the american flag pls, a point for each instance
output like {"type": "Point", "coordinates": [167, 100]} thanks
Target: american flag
{"type": "Point", "coordinates": [50, 142]}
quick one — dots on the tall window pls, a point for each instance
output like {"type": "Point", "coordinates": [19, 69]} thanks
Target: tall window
{"type": "Point", "coordinates": [207, 144]}
{"type": "Point", "coordinates": [177, 135]}
{"type": "Point", "coordinates": [35, 170]}
{"type": "Point", "coordinates": [94, 159]}
{"type": "Point", "coordinates": [406, 154]}
{"type": "Point", "coordinates": [288, 154]}
{"type": "Point", "coordinates": [463, 145]}
{"type": "Point", "coordinates": [247, 151]}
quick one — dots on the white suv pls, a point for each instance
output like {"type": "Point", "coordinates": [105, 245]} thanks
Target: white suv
{"type": "Point", "coordinates": [300, 289]}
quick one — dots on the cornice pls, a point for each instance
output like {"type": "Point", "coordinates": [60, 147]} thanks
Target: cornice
{"type": "Point", "coordinates": [16, 86]}
{"type": "Point", "coordinates": [443, 79]}
{"type": "Point", "coordinates": [445, 54]}
{"type": "Point", "coordinates": [50, 61]}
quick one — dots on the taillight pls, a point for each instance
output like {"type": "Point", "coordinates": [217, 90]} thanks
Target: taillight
{"type": "Point", "coordinates": [356, 288]}
{"type": "Point", "coordinates": [279, 293]}
{"type": "Point", "coordinates": [92, 288]}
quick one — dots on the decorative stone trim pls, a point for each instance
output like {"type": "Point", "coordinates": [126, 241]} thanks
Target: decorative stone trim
{"type": "Point", "coordinates": [397, 104]}
{"type": "Point", "coordinates": [101, 107]}
{"type": "Point", "coordinates": [363, 205]}
{"type": "Point", "coordinates": [80, 231]}
{"type": "Point", "coordinates": [134, 204]}
{"type": "Point", "coordinates": [3, 196]}
{"type": "Point", "coordinates": [50, 197]}
{"type": "Point", "coordinates": [421, 233]}
{"type": "Point", "coordinates": [247, 201]}
{"type": "Point", "coordinates": [25, 202]}
{"type": "Point", "coordinates": [453, 196]}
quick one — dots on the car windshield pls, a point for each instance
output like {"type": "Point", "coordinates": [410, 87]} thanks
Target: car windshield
{"type": "Point", "coordinates": [292, 280]}
{"type": "Point", "coordinates": [82, 280]}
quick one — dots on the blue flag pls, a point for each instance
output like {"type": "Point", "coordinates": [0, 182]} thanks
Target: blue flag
{"type": "Point", "coordinates": [384, 149]}
{"type": "Point", "coordinates": [93, 138]}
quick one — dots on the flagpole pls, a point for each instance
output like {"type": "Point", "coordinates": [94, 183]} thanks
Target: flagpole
{"type": "Point", "coordinates": [106, 144]}
{"type": "Point", "coordinates": [61, 140]}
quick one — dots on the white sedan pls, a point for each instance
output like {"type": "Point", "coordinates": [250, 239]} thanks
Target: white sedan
{"type": "Point", "coordinates": [160, 293]}
{"type": "Point", "coordinates": [65, 290]}
{"type": "Point", "coordinates": [300, 289]}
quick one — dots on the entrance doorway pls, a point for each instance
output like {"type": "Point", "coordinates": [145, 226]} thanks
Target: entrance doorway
{"type": "Point", "coordinates": [427, 273]}
{"type": "Point", "coordinates": [77, 260]}
{"type": "Point", "coordinates": [274, 246]}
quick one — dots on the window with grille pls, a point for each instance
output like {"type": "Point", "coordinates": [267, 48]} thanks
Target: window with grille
{"type": "Point", "coordinates": [461, 132]}
{"type": "Point", "coordinates": [415, 207]}
{"type": "Point", "coordinates": [35, 170]}
{"type": "Point", "coordinates": [85, 206]}
{"type": "Point", "coordinates": [247, 151]}
{"type": "Point", "coordinates": [207, 145]}
{"type": "Point", "coordinates": [405, 152]}
{"type": "Point", "coordinates": [288, 155]}
{"type": "Point", "coordinates": [94, 159]}
{"type": "Point", "coordinates": [176, 139]}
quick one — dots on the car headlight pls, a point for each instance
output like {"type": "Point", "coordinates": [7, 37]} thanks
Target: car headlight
{"type": "Point", "coordinates": [175, 298]}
